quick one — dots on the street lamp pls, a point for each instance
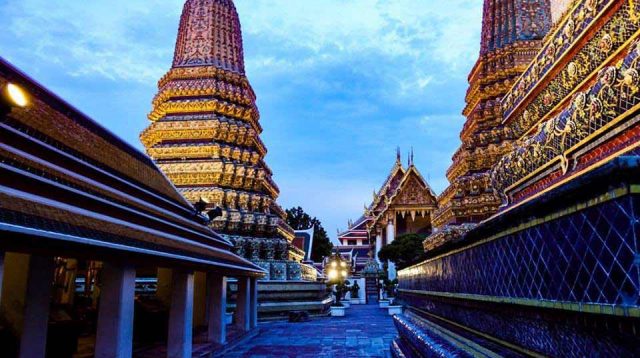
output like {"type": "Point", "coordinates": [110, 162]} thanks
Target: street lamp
{"type": "Point", "coordinates": [337, 273]}
{"type": "Point", "coordinates": [12, 96]}
{"type": "Point", "coordinates": [338, 270]}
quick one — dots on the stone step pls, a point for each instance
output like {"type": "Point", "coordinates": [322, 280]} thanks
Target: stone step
{"type": "Point", "coordinates": [420, 337]}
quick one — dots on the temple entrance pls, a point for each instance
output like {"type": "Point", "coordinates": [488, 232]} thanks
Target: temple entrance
{"type": "Point", "coordinates": [371, 290]}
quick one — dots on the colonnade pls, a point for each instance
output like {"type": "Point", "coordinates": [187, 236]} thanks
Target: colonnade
{"type": "Point", "coordinates": [114, 332]}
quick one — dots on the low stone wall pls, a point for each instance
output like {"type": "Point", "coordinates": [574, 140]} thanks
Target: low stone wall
{"type": "Point", "coordinates": [277, 298]}
{"type": "Point", "coordinates": [281, 270]}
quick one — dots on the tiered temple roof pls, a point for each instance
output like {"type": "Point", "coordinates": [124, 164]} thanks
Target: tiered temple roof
{"type": "Point", "coordinates": [70, 187]}
{"type": "Point", "coordinates": [511, 36]}
{"type": "Point", "coordinates": [405, 191]}
{"type": "Point", "coordinates": [357, 231]}
{"type": "Point", "coordinates": [205, 130]}
{"type": "Point", "coordinates": [354, 243]}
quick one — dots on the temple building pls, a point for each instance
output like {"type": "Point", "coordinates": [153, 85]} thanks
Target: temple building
{"type": "Point", "coordinates": [538, 256]}
{"type": "Point", "coordinates": [403, 205]}
{"type": "Point", "coordinates": [303, 240]}
{"type": "Point", "coordinates": [83, 215]}
{"type": "Point", "coordinates": [354, 243]}
{"type": "Point", "coordinates": [205, 136]}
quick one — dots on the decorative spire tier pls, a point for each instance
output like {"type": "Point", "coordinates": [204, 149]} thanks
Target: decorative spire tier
{"type": "Point", "coordinates": [210, 35]}
{"type": "Point", "coordinates": [512, 31]}
{"type": "Point", "coordinates": [205, 131]}
{"type": "Point", "coordinates": [505, 22]}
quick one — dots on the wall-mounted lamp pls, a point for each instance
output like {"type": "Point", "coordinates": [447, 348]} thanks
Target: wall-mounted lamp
{"type": "Point", "coordinates": [12, 96]}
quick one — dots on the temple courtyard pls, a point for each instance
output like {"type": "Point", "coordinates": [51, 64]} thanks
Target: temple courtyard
{"type": "Point", "coordinates": [171, 241]}
{"type": "Point", "coordinates": [365, 331]}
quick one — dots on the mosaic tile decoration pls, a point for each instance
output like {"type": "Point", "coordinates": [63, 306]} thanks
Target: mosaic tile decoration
{"type": "Point", "coordinates": [587, 257]}
{"type": "Point", "coordinates": [561, 335]}
{"type": "Point", "coordinates": [278, 271]}
{"type": "Point", "coordinates": [567, 284]}
{"type": "Point", "coordinates": [418, 337]}
{"type": "Point", "coordinates": [294, 272]}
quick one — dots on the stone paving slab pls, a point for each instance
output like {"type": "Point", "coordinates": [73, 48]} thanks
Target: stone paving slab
{"type": "Point", "coordinates": [365, 331]}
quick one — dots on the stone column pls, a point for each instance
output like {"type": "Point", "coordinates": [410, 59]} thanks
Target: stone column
{"type": "Point", "coordinates": [179, 340]}
{"type": "Point", "coordinates": [217, 325]}
{"type": "Point", "coordinates": [243, 303]}
{"type": "Point", "coordinates": [391, 232]}
{"type": "Point", "coordinates": [114, 335]}
{"type": "Point", "coordinates": [378, 244]}
{"type": "Point", "coordinates": [33, 342]}
{"type": "Point", "coordinates": [199, 299]}
{"type": "Point", "coordinates": [253, 317]}
{"type": "Point", "coordinates": [163, 291]}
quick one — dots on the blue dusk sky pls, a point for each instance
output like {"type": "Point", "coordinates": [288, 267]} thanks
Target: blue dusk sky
{"type": "Point", "coordinates": [340, 83]}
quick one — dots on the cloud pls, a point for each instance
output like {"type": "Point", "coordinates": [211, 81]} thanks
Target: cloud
{"type": "Point", "coordinates": [340, 83]}
{"type": "Point", "coordinates": [115, 39]}
{"type": "Point", "coordinates": [391, 28]}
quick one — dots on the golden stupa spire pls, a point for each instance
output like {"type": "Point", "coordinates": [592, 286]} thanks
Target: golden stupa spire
{"type": "Point", "coordinates": [205, 126]}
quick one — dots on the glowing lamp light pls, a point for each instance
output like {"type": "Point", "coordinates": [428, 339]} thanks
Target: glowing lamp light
{"type": "Point", "coordinates": [334, 264]}
{"type": "Point", "coordinates": [343, 264]}
{"type": "Point", "coordinates": [17, 95]}
{"type": "Point", "coordinates": [333, 274]}
{"type": "Point", "coordinates": [344, 273]}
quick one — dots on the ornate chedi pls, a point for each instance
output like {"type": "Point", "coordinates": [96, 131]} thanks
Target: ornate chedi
{"type": "Point", "coordinates": [205, 132]}
{"type": "Point", "coordinates": [511, 35]}
{"type": "Point", "coordinates": [555, 271]}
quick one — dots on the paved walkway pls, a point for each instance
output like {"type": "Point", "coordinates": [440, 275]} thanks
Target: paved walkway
{"type": "Point", "coordinates": [365, 331]}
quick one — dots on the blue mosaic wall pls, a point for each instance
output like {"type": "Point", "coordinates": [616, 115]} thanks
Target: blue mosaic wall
{"type": "Point", "coordinates": [548, 333]}
{"type": "Point", "coordinates": [585, 257]}
{"type": "Point", "coordinates": [551, 288]}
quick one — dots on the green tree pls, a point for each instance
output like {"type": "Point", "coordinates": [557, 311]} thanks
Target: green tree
{"type": "Point", "coordinates": [299, 220]}
{"type": "Point", "coordinates": [404, 251]}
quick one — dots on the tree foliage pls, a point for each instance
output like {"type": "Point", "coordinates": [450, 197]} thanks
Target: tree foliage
{"type": "Point", "coordinates": [404, 251]}
{"type": "Point", "coordinates": [299, 220]}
